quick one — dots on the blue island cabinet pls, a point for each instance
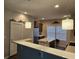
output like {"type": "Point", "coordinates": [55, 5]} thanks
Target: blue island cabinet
{"type": "Point", "coordinates": [24, 52]}
{"type": "Point", "coordinates": [50, 56]}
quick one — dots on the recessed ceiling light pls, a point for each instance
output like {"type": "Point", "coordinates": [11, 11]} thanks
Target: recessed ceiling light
{"type": "Point", "coordinates": [56, 6]}
{"type": "Point", "coordinates": [43, 18]}
{"type": "Point", "coordinates": [25, 13]}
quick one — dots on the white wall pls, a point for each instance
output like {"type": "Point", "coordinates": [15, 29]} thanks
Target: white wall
{"type": "Point", "coordinates": [7, 16]}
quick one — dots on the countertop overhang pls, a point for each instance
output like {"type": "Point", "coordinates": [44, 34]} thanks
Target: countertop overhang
{"type": "Point", "coordinates": [49, 50]}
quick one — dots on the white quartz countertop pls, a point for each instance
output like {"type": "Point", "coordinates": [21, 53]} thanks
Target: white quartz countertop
{"type": "Point", "coordinates": [70, 49]}
{"type": "Point", "coordinates": [49, 50]}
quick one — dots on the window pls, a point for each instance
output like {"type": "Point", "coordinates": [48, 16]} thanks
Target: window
{"type": "Point", "coordinates": [56, 32]}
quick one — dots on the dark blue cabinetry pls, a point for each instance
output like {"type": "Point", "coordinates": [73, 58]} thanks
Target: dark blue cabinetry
{"type": "Point", "coordinates": [24, 52]}
{"type": "Point", "coordinates": [50, 56]}
{"type": "Point", "coordinates": [27, 53]}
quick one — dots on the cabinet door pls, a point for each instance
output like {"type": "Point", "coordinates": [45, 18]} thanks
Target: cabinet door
{"type": "Point", "coordinates": [28, 53]}
{"type": "Point", "coordinates": [50, 56]}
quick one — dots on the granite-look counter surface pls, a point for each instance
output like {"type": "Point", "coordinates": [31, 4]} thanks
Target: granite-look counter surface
{"type": "Point", "coordinates": [49, 50]}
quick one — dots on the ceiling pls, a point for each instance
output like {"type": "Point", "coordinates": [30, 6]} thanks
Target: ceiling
{"type": "Point", "coordinates": [42, 8]}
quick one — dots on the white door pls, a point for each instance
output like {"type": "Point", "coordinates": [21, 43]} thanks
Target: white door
{"type": "Point", "coordinates": [16, 33]}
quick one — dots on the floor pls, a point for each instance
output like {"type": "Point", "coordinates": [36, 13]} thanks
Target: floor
{"type": "Point", "coordinates": [13, 57]}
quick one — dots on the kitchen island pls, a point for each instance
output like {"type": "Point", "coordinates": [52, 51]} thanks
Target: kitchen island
{"type": "Point", "coordinates": [26, 49]}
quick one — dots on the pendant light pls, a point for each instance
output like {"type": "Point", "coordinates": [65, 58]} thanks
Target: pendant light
{"type": "Point", "coordinates": [28, 25]}
{"type": "Point", "coordinates": [67, 23]}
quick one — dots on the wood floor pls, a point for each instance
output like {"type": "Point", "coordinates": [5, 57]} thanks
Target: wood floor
{"type": "Point", "coordinates": [13, 57]}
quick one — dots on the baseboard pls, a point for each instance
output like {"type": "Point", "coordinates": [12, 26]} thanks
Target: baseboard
{"type": "Point", "coordinates": [6, 57]}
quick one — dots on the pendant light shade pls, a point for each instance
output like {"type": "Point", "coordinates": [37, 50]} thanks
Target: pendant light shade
{"type": "Point", "coordinates": [27, 24]}
{"type": "Point", "coordinates": [67, 24]}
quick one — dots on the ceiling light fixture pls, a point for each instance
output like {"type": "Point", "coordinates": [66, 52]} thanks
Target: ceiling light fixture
{"type": "Point", "coordinates": [25, 13]}
{"type": "Point", "coordinates": [43, 18]}
{"type": "Point", "coordinates": [28, 25]}
{"type": "Point", "coordinates": [67, 23]}
{"type": "Point", "coordinates": [56, 6]}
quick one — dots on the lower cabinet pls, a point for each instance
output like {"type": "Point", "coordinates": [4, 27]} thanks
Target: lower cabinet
{"type": "Point", "coordinates": [50, 56]}
{"type": "Point", "coordinates": [24, 52]}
